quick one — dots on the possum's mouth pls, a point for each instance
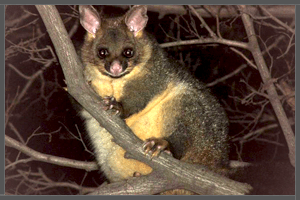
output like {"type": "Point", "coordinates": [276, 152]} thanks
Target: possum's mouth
{"type": "Point", "coordinates": [116, 76]}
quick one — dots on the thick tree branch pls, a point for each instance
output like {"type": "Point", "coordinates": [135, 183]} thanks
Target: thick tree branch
{"type": "Point", "coordinates": [267, 79]}
{"type": "Point", "coordinates": [194, 177]}
{"type": "Point", "coordinates": [284, 11]}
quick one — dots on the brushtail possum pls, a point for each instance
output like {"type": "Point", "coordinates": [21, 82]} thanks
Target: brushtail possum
{"type": "Point", "coordinates": [158, 99]}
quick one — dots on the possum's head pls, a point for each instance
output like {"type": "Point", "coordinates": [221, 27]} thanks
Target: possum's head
{"type": "Point", "coordinates": [114, 45]}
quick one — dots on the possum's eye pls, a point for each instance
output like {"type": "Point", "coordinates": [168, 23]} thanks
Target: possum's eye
{"type": "Point", "coordinates": [128, 52]}
{"type": "Point", "coordinates": [103, 53]}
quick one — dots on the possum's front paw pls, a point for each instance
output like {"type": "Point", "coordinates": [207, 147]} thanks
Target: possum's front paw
{"type": "Point", "coordinates": [153, 147]}
{"type": "Point", "coordinates": [111, 105]}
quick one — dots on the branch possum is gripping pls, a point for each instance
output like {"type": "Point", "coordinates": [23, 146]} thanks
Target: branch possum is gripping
{"type": "Point", "coordinates": [158, 99]}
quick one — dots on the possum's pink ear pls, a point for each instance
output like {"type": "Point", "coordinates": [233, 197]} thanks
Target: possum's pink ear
{"type": "Point", "coordinates": [89, 18]}
{"type": "Point", "coordinates": [136, 18]}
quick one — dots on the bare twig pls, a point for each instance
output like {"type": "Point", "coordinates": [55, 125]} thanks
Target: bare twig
{"type": "Point", "coordinates": [42, 182]}
{"type": "Point", "coordinates": [235, 72]}
{"type": "Point", "coordinates": [206, 41]}
{"type": "Point", "coordinates": [88, 166]}
{"type": "Point", "coordinates": [288, 46]}
{"type": "Point", "coordinates": [277, 20]}
{"type": "Point", "coordinates": [258, 131]}
{"type": "Point", "coordinates": [19, 161]}
{"type": "Point", "coordinates": [29, 83]}
{"type": "Point", "coordinates": [244, 57]}
{"type": "Point", "coordinates": [211, 33]}
{"type": "Point", "coordinates": [13, 128]}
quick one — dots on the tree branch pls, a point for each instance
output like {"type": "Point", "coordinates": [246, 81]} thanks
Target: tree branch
{"type": "Point", "coordinates": [267, 79]}
{"type": "Point", "coordinates": [285, 11]}
{"type": "Point", "coordinates": [203, 23]}
{"type": "Point", "coordinates": [88, 166]}
{"type": "Point", "coordinates": [194, 177]}
{"type": "Point", "coordinates": [243, 66]}
{"type": "Point", "coordinates": [242, 45]}
{"type": "Point", "coordinates": [277, 20]}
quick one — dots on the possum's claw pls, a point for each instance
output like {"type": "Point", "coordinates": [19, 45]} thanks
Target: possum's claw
{"type": "Point", "coordinates": [110, 104]}
{"type": "Point", "coordinates": [153, 147]}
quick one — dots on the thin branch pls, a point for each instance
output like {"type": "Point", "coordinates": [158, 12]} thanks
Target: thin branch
{"type": "Point", "coordinates": [277, 20]}
{"type": "Point", "coordinates": [288, 47]}
{"type": "Point", "coordinates": [233, 43]}
{"type": "Point", "coordinates": [13, 128]}
{"type": "Point", "coordinates": [88, 166]}
{"type": "Point", "coordinates": [42, 180]}
{"type": "Point", "coordinates": [203, 23]}
{"type": "Point", "coordinates": [19, 161]}
{"type": "Point", "coordinates": [218, 26]}
{"type": "Point", "coordinates": [19, 72]}
{"type": "Point", "coordinates": [244, 57]}
{"type": "Point", "coordinates": [77, 138]}
{"type": "Point", "coordinates": [235, 72]}
{"type": "Point", "coordinates": [258, 131]}
{"type": "Point", "coordinates": [28, 84]}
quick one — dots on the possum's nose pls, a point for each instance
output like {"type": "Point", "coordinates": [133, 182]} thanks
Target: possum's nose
{"type": "Point", "coordinates": [116, 68]}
